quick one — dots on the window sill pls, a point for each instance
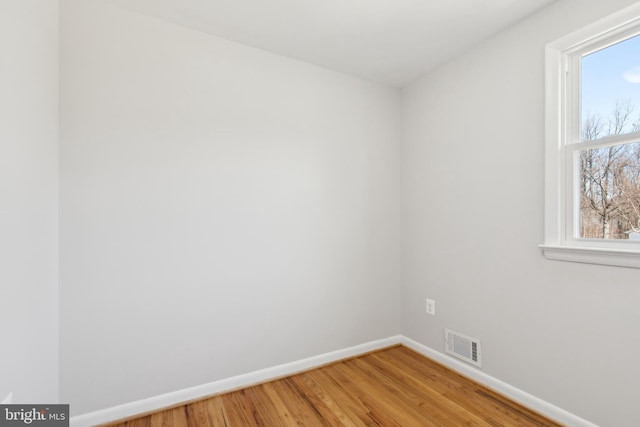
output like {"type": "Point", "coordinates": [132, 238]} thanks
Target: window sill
{"type": "Point", "coordinates": [613, 257]}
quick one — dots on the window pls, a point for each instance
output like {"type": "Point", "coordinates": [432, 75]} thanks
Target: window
{"type": "Point", "coordinates": [593, 143]}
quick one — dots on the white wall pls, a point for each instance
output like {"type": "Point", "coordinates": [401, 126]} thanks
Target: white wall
{"type": "Point", "coordinates": [473, 208]}
{"type": "Point", "coordinates": [29, 200]}
{"type": "Point", "coordinates": [223, 209]}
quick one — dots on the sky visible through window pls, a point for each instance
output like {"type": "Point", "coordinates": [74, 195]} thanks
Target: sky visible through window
{"type": "Point", "coordinates": [609, 179]}
{"type": "Point", "coordinates": [610, 75]}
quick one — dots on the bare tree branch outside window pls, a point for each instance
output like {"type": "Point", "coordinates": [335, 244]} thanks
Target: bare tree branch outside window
{"type": "Point", "coordinates": [610, 176]}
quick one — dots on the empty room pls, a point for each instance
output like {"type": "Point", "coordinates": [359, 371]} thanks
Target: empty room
{"type": "Point", "coordinates": [338, 212]}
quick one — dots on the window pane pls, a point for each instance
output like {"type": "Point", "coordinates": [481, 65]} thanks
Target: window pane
{"type": "Point", "coordinates": [610, 192]}
{"type": "Point", "coordinates": [610, 90]}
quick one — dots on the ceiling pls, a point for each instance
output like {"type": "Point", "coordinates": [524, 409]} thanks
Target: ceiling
{"type": "Point", "coordinates": [388, 41]}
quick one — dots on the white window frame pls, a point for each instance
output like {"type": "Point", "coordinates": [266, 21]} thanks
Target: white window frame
{"type": "Point", "coordinates": [562, 134]}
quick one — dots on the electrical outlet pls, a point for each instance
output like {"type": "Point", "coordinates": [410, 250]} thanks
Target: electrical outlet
{"type": "Point", "coordinates": [431, 307]}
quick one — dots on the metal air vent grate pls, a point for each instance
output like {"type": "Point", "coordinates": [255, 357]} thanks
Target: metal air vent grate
{"type": "Point", "coordinates": [463, 347]}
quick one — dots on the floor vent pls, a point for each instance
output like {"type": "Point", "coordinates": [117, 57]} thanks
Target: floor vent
{"type": "Point", "coordinates": [463, 347]}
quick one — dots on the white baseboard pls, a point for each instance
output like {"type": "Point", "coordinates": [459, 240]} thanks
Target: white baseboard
{"type": "Point", "coordinates": [515, 394]}
{"type": "Point", "coordinates": [174, 398]}
{"type": "Point", "coordinates": [193, 393]}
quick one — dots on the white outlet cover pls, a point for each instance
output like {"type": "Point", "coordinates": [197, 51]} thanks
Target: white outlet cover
{"type": "Point", "coordinates": [431, 307]}
{"type": "Point", "coordinates": [7, 400]}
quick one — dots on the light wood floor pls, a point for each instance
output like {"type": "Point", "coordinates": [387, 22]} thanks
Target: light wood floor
{"type": "Point", "coordinates": [391, 387]}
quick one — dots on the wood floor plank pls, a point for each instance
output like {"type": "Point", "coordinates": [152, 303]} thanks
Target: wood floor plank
{"type": "Point", "coordinates": [356, 411]}
{"type": "Point", "coordinates": [331, 414]}
{"type": "Point", "coordinates": [216, 412]}
{"type": "Point", "coordinates": [434, 393]}
{"type": "Point", "coordinates": [197, 415]}
{"type": "Point", "coordinates": [430, 403]}
{"type": "Point", "coordinates": [391, 387]}
{"type": "Point", "coordinates": [463, 391]}
{"type": "Point", "coordinates": [283, 411]}
{"type": "Point", "coordinates": [345, 416]}
{"type": "Point", "coordinates": [241, 410]}
{"type": "Point", "coordinates": [382, 408]}
{"type": "Point", "coordinates": [180, 416]}
{"type": "Point", "coordinates": [453, 387]}
{"type": "Point", "coordinates": [162, 419]}
{"type": "Point", "coordinates": [140, 422]}
{"type": "Point", "coordinates": [412, 414]}
{"type": "Point", "coordinates": [263, 406]}
{"type": "Point", "coordinates": [299, 407]}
